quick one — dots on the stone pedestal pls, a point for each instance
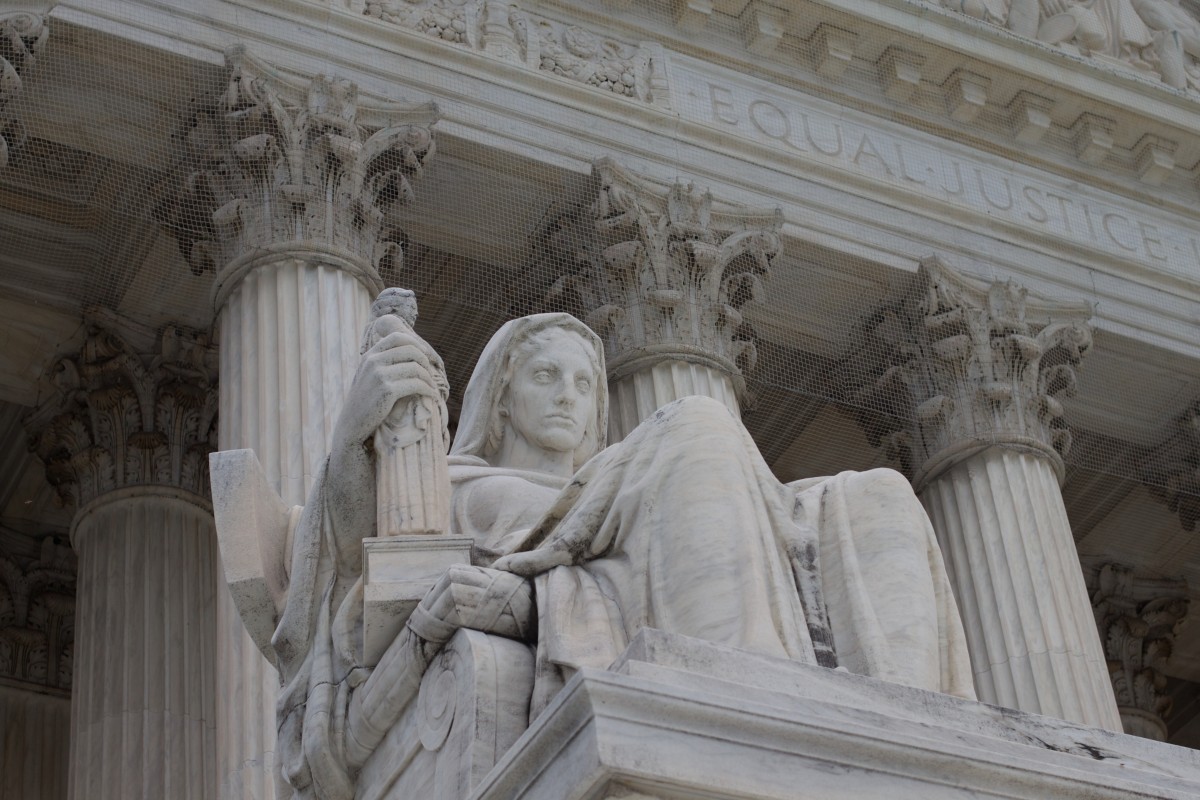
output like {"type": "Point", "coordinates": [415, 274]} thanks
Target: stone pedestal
{"type": "Point", "coordinates": [980, 369]}
{"type": "Point", "coordinates": [142, 720]}
{"type": "Point", "coordinates": [680, 718]}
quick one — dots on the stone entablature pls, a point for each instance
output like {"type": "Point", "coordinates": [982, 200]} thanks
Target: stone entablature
{"type": "Point", "coordinates": [522, 36]}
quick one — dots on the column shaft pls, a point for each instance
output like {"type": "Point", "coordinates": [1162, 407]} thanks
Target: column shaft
{"type": "Point", "coordinates": [143, 657]}
{"type": "Point", "coordinates": [1003, 529]}
{"type": "Point", "coordinates": [289, 347]}
{"type": "Point", "coordinates": [635, 397]}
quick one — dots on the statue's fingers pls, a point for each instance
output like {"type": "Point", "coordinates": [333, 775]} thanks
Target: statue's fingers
{"type": "Point", "coordinates": [534, 562]}
{"type": "Point", "coordinates": [401, 353]}
{"type": "Point", "coordinates": [393, 340]}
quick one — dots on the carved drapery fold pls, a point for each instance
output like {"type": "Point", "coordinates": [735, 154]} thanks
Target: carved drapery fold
{"type": "Point", "coordinates": [662, 277]}
{"type": "Point", "coordinates": [1138, 618]}
{"type": "Point", "coordinates": [23, 36]}
{"type": "Point", "coordinates": [118, 416]}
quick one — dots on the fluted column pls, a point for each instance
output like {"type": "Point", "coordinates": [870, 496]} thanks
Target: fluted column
{"type": "Point", "coordinates": [979, 368]}
{"type": "Point", "coordinates": [297, 181]}
{"type": "Point", "coordinates": [143, 704]}
{"type": "Point", "coordinates": [126, 437]}
{"type": "Point", "coordinates": [662, 279]}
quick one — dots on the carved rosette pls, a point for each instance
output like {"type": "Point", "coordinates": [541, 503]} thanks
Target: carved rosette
{"type": "Point", "coordinates": [23, 36]}
{"type": "Point", "coordinates": [501, 28]}
{"type": "Point", "coordinates": [37, 616]}
{"type": "Point", "coordinates": [1172, 473]}
{"type": "Point", "coordinates": [975, 366]}
{"type": "Point", "coordinates": [118, 417]}
{"type": "Point", "coordinates": [1138, 619]}
{"type": "Point", "coordinates": [662, 275]}
{"type": "Point", "coordinates": [285, 165]}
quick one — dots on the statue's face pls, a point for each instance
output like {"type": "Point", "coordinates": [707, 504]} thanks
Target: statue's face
{"type": "Point", "coordinates": [551, 396]}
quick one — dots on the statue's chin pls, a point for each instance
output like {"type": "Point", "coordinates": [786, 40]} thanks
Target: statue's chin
{"type": "Point", "coordinates": [559, 440]}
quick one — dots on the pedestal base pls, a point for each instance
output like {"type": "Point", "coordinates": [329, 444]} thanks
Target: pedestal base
{"type": "Point", "coordinates": [680, 718]}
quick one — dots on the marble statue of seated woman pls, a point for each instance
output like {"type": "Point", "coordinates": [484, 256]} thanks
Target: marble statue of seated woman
{"type": "Point", "coordinates": [681, 527]}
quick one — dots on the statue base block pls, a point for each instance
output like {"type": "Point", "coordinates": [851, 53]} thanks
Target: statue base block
{"type": "Point", "coordinates": [680, 718]}
{"type": "Point", "coordinates": [397, 572]}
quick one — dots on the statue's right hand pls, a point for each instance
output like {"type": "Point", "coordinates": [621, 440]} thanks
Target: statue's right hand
{"type": "Point", "coordinates": [393, 369]}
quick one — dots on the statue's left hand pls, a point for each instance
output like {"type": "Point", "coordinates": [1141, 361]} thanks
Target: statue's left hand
{"type": "Point", "coordinates": [534, 562]}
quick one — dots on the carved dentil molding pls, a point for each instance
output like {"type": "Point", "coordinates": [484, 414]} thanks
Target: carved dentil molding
{"type": "Point", "coordinates": [118, 416]}
{"type": "Point", "coordinates": [37, 616]}
{"type": "Point", "coordinates": [283, 164]}
{"type": "Point", "coordinates": [503, 29]}
{"type": "Point", "coordinates": [963, 366]}
{"type": "Point", "coordinates": [1172, 473]}
{"type": "Point", "coordinates": [659, 273]}
{"type": "Point", "coordinates": [23, 36]}
{"type": "Point", "coordinates": [1138, 619]}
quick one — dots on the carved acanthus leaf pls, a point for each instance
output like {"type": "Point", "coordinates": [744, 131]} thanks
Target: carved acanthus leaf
{"type": "Point", "coordinates": [1138, 619]}
{"type": "Point", "coordinates": [119, 417]}
{"type": "Point", "coordinates": [1172, 472]}
{"type": "Point", "coordinates": [278, 160]}
{"type": "Point", "coordinates": [656, 268]}
{"type": "Point", "coordinates": [37, 609]}
{"type": "Point", "coordinates": [23, 36]}
{"type": "Point", "coordinates": [971, 365]}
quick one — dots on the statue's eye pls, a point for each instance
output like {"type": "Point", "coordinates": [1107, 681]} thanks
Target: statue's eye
{"type": "Point", "coordinates": [543, 376]}
{"type": "Point", "coordinates": [583, 385]}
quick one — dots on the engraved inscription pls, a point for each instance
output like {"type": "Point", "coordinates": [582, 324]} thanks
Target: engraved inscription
{"type": "Point", "coordinates": [919, 165]}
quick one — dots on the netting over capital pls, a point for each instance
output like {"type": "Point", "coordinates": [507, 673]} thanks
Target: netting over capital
{"type": "Point", "coordinates": [577, 547]}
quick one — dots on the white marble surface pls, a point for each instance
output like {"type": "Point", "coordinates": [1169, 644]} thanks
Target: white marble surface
{"type": "Point", "coordinates": [289, 347]}
{"type": "Point", "coordinates": [140, 705]}
{"type": "Point", "coordinates": [679, 718]}
{"type": "Point", "coordinates": [1010, 554]}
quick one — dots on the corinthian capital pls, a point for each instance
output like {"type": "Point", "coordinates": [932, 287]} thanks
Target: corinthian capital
{"type": "Point", "coordinates": [121, 415]}
{"type": "Point", "coordinates": [283, 164]}
{"type": "Point", "coordinates": [22, 37]}
{"type": "Point", "coordinates": [661, 273]}
{"type": "Point", "coordinates": [974, 365]}
{"type": "Point", "coordinates": [1138, 619]}
{"type": "Point", "coordinates": [1172, 472]}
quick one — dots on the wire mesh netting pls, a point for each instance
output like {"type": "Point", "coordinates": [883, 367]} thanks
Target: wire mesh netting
{"type": "Point", "coordinates": [101, 205]}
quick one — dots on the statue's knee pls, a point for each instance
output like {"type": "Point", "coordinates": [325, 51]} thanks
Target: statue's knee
{"type": "Point", "coordinates": [694, 413]}
{"type": "Point", "coordinates": [887, 484]}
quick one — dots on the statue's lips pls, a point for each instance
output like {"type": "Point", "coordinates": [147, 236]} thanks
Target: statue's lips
{"type": "Point", "coordinates": [560, 418]}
